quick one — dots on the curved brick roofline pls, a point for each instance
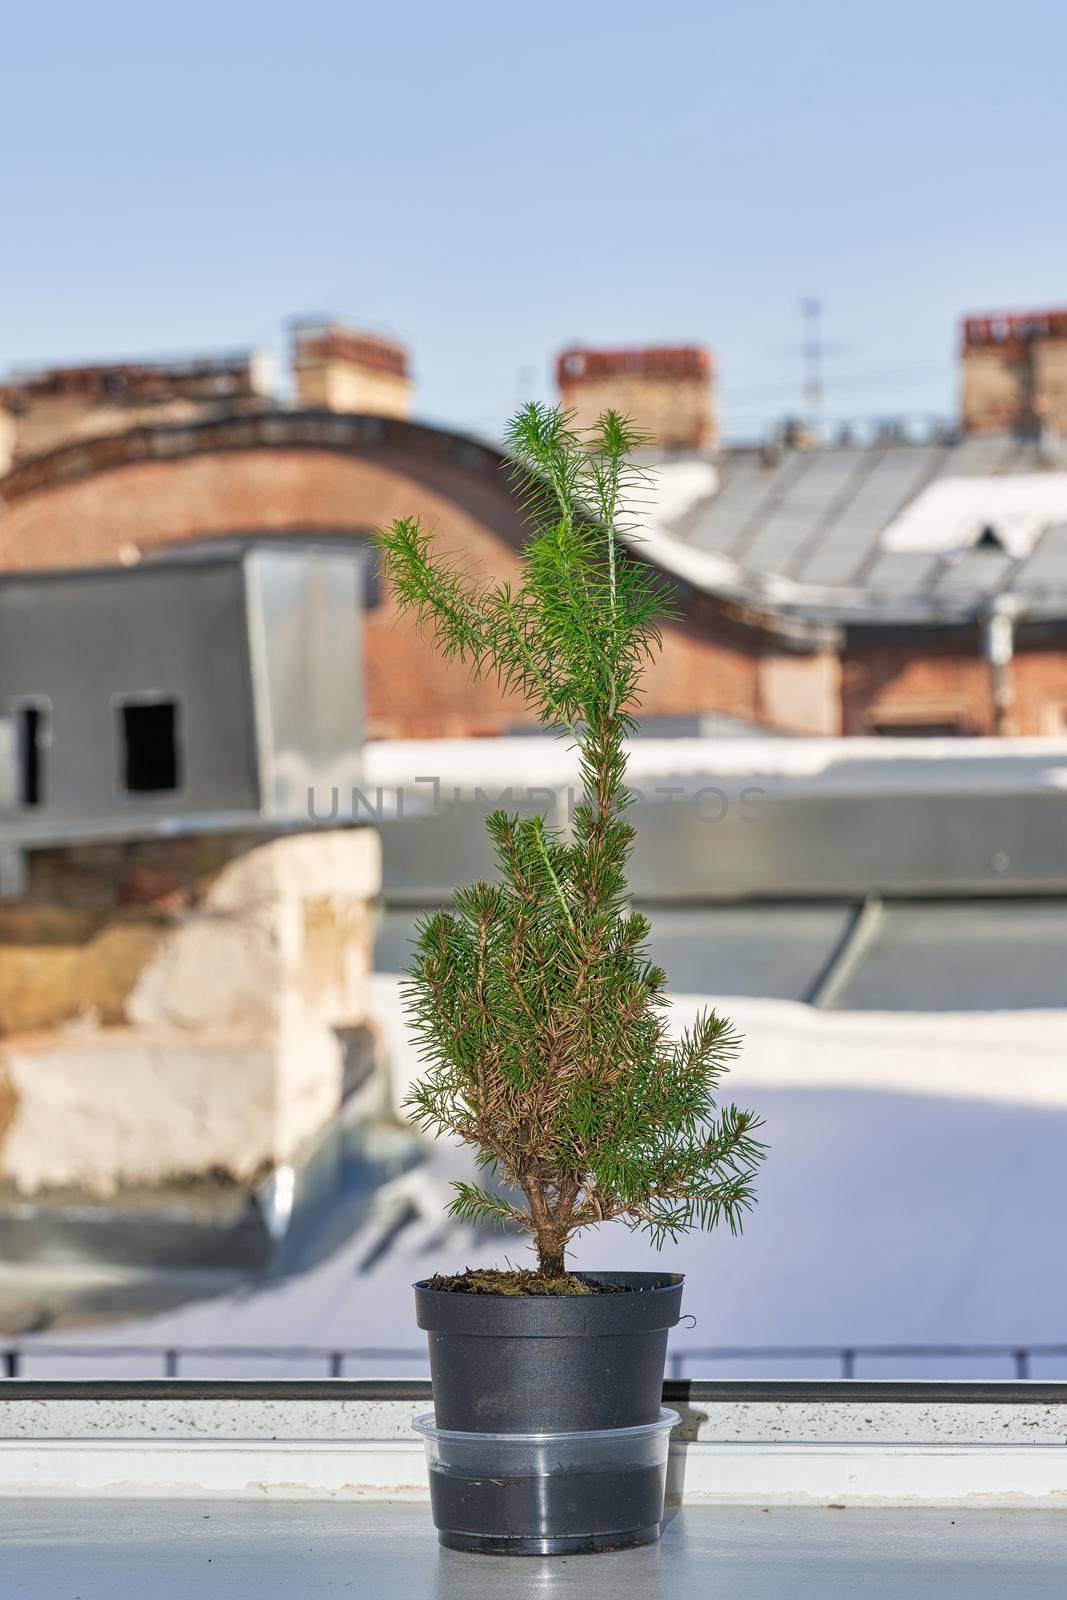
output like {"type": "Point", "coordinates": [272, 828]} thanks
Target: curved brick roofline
{"type": "Point", "coordinates": [287, 429]}
{"type": "Point", "coordinates": [361, 435]}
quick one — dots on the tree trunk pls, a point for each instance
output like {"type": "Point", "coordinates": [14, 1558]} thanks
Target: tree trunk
{"type": "Point", "coordinates": [549, 1230]}
{"type": "Point", "coordinates": [550, 1259]}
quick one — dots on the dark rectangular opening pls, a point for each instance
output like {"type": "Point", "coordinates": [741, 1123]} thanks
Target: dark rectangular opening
{"type": "Point", "coordinates": [149, 746]}
{"type": "Point", "coordinates": [31, 733]}
{"type": "Point", "coordinates": [917, 730]}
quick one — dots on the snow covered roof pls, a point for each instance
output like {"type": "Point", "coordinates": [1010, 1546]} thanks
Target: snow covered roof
{"type": "Point", "coordinates": [744, 819]}
{"type": "Point", "coordinates": [962, 1115]}
{"type": "Point", "coordinates": [885, 533]}
{"type": "Point", "coordinates": [466, 765]}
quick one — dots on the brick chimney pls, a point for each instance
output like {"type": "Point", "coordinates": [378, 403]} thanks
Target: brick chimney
{"type": "Point", "coordinates": [1014, 373]}
{"type": "Point", "coordinates": [61, 404]}
{"type": "Point", "coordinates": [343, 369]}
{"type": "Point", "coordinates": [666, 390]}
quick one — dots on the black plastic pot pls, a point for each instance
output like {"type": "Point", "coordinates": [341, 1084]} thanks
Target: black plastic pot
{"type": "Point", "coordinates": [550, 1364]}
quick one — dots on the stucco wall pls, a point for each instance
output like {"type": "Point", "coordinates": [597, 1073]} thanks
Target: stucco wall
{"type": "Point", "coordinates": [168, 1011]}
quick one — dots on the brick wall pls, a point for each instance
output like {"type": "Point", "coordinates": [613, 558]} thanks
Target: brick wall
{"type": "Point", "coordinates": [346, 370]}
{"type": "Point", "coordinates": [667, 392]}
{"type": "Point", "coordinates": [713, 659]}
{"type": "Point", "coordinates": [1039, 678]}
{"type": "Point", "coordinates": [709, 663]}
{"type": "Point", "coordinates": [1014, 372]}
{"type": "Point", "coordinates": [899, 685]}
{"type": "Point", "coordinates": [996, 383]}
{"type": "Point", "coordinates": [54, 407]}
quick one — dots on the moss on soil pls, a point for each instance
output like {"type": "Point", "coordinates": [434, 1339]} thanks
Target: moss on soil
{"type": "Point", "coordinates": [494, 1280]}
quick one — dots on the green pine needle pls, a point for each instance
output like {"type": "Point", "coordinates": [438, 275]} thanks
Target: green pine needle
{"type": "Point", "coordinates": [538, 1014]}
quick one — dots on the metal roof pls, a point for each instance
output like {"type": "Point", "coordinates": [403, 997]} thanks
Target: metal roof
{"type": "Point", "coordinates": [745, 819]}
{"type": "Point", "coordinates": [883, 533]}
{"type": "Point", "coordinates": [856, 875]}
{"type": "Point", "coordinates": [969, 955]}
{"type": "Point", "coordinates": [238, 650]}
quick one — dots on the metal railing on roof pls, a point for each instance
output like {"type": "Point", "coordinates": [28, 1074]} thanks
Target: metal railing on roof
{"type": "Point", "coordinates": [172, 1359]}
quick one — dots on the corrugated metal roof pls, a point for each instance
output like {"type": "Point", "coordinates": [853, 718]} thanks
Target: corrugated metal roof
{"type": "Point", "coordinates": [883, 532]}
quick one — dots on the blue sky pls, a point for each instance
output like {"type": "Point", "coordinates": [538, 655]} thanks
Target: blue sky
{"type": "Point", "coordinates": [490, 182]}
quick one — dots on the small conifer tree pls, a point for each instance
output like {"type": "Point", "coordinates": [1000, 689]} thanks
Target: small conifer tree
{"type": "Point", "coordinates": [540, 1018]}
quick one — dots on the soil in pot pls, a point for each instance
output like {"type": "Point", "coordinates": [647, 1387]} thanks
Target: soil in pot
{"type": "Point", "coordinates": [494, 1280]}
